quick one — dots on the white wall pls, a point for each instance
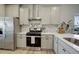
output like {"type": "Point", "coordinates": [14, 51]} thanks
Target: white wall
{"type": "Point", "coordinates": [69, 11]}
{"type": "Point", "coordinates": [12, 10]}
{"type": "Point", "coordinates": [2, 10]}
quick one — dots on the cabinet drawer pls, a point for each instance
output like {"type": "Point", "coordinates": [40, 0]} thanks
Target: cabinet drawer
{"type": "Point", "coordinates": [68, 48]}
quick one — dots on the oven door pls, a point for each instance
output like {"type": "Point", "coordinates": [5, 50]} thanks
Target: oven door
{"type": "Point", "coordinates": [38, 41]}
{"type": "Point", "coordinates": [33, 42]}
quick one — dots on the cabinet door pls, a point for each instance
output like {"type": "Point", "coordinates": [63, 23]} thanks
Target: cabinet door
{"type": "Point", "coordinates": [21, 40]}
{"type": "Point", "coordinates": [67, 47]}
{"type": "Point", "coordinates": [62, 50]}
{"type": "Point", "coordinates": [2, 10]}
{"type": "Point", "coordinates": [24, 40]}
{"type": "Point", "coordinates": [19, 37]}
{"type": "Point", "coordinates": [55, 44]}
{"type": "Point", "coordinates": [46, 42]}
{"type": "Point", "coordinates": [12, 10]}
{"type": "Point", "coordinates": [55, 15]}
{"type": "Point", "coordinates": [24, 15]}
{"type": "Point", "coordinates": [44, 13]}
{"type": "Point", "coordinates": [43, 42]}
{"type": "Point", "coordinates": [49, 41]}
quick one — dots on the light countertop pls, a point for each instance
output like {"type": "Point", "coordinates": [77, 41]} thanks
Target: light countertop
{"type": "Point", "coordinates": [24, 32]}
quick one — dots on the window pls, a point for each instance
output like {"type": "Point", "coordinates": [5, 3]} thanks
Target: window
{"type": "Point", "coordinates": [76, 20]}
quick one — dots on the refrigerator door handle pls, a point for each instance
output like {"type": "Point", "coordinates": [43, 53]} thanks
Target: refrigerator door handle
{"type": "Point", "coordinates": [5, 29]}
{"type": "Point", "coordinates": [5, 35]}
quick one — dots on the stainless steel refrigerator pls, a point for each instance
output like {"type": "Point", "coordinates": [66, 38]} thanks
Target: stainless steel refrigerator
{"type": "Point", "coordinates": [8, 33]}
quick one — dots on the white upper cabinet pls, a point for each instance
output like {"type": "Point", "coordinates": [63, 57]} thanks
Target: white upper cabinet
{"type": "Point", "coordinates": [2, 10]}
{"type": "Point", "coordinates": [12, 10]}
{"type": "Point", "coordinates": [50, 14]}
{"type": "Point", "coordinates": [44, 13]}
{"type": "Point", "coordinates": [55, 15]}
{"type": "Point", "coordinates": [24, 15]}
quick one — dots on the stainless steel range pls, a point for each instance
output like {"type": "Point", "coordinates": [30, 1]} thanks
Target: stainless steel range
{"type": "Point", "coordinates": [33, 37]}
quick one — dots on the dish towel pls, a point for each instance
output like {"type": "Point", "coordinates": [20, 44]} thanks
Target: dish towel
{"type": "Point", "coordinates": [33, 40]}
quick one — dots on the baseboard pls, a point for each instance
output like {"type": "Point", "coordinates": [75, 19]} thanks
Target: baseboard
{"type": "Point", "coordinates": [30, 48]}
{"type": "Point", "coordinates": [35, 49]}
{"type": "Point", "coordinates": [48, 50]}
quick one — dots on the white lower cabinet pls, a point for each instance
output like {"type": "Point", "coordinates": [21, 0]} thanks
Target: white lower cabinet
{"type": "Point", "coordinates": [60, 47]}
{"type": "Point", "coordinates": [21, 40]}
{"type": "Point", "coordinates": [24, 15]}
{"type": "Point", "coordinates": [47, 42]}
{"type": "Point", "coordinates": [63, 48]}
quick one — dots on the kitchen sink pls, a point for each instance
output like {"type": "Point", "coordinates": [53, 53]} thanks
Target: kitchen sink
{"type": "Point", "coordinates": [72, 40]}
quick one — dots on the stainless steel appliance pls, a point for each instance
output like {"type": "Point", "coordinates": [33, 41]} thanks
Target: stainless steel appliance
{"type": "Point", "coordinates": [7, 33]}
{"type": "Point", "coordinates": [33, 39]}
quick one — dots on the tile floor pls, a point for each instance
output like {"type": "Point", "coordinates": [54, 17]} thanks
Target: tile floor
{"type": "Point", "coordinates": [26, 51]}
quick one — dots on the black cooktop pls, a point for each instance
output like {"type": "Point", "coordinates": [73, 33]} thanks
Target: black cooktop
{"type": "Point", "coordinates": [34, 33]}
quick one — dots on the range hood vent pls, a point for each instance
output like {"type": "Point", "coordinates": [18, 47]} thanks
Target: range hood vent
{"type": "Point", "coordinates": [35, 11]}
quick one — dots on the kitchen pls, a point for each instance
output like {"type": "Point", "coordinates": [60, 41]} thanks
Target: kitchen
{"type": "Point", "coordinates": [40, 28]}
